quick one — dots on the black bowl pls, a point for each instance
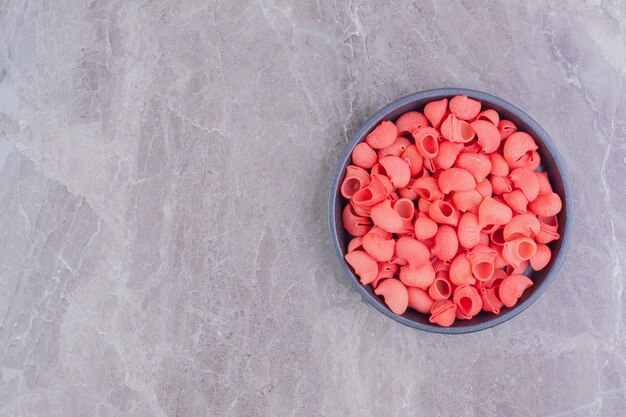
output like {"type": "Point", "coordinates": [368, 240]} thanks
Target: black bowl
{"type": "Point", "coordinates": [551, 162]}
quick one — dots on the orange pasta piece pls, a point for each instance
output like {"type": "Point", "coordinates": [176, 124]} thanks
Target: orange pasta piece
{"type": "Point", "coordinates": [395, 294]}
{"type": "Point", "coordinates": [527, 181]}
{"type": "Point", "coordinates": [448, 153]}
{"type": "Point", "coordinates": [383, 135]}
{"type": "Point", "coordinates": [512, 289]}
{"type": "Point", "coordinates": [482, 261]}
{"type": "Point", "coordinates": [443, 212]}
{"type": "Point", "coordinates": [446, 243]}
{"type": "Point", "coordinates": [476, 164]}
{"type": "Point", "coordinates": [506, 128]}
{"type": "Point", "coordinates": [489, 115]}
{"type": "Point", "coordinates": [385, 270]}
{"type": "Point", "coordinates": [440, 289]}
{"type": "Point", "coordinates": [501, 185]}
{"type": "Point", "coordinates": [469, 230]}
{"type": "Point", "coordinates": [355, 244]}
{"type": "Point", "coordinates": [414, 159]}
{"type": "Point", "coordinates": [425, 227]}
{"type": "Point", "coordinates": [467, 300]}
{"type": "Point", "coordinates": [420, 277]}
{"type": "Point", "coordinates": [484, 188]}
{"type": "Point", "coordinates": [364, 266]}
{"type": "Point", "coordinates": [519, 250]}
{"type": "Point", "coordinates": [410, 122]}
{"type": "Point", "coordinates": [379, 248]}
{"type": "Point", "coordinates": [464, 108]}
{"type": "Point", "coordinates": [541, 257]}
{"type": "Point", "coordinates": [499, 166]}
{"type": "Point", "coordinates": [456, 179]}
{"type": "Point", "coordinates": [544, 184]}
{"type": "Point", "coordinates": [522, 225]}
{"type": "Point", "coordinates": [395, 149]}
{"type": "Point", "coordinates": [356, 179]}
{"type": "Point", "coordinates": [426, 142]}
{"type": "Point", "coordinates": [354, 224]}
{"type": "Point", "coordinates": [492, 212]}
{"type": "Point", "coordinates": [488, 136]}
{"type": "Point", "coordinates": [435, 111]}
{"type": "Point", "coordinates": [461, 271]}
{"type": "Point", "coordinates": [516, 200]}
{"type": "Point", "coordinates": [457, 131]}
{"type": "Point", "coordinates": [467, 201]}
{"type": "Point", "coordinates": [546, 205]}
{"type": "Point", "coordinates": [419, 300]}
{"type": "Point", "coordinates": [385, 217]}
{"type": "Point", "coordinates": [548, 229]}
{"type": "Point", "coordinates": [517, 145]}
{"type": "Point", "coordinates": [443, 313]}
{"type": "Point", "coordinates": [415, 252]}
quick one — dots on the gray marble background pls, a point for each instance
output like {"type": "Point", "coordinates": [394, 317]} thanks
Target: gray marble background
{"type": "Point", "coordinates": [163, 239]}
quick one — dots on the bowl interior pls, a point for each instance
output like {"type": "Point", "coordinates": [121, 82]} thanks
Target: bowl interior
{"type": "Point", "coordinates": [551, 162]}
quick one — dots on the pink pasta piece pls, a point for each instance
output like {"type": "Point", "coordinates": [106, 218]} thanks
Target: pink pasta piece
{"type": "Point", "coordinates": [420, 277]}
{"type": "Point", "coordinates": [516, 200]}
{"type": "Point", "coordinates": [410, 122]}
{"type": "Point", "coordinates": [548, 229]}
{"type": "Point", "coordinates": [397, 170]}
{"type": "Point", "coordinates": [423, 205]}
{"type": "Point", "coordinates": [415, 252]}
{"type": "Point", "coordinates": [440, 289]}
{"type": "Point", "coordinates": [496, 238]}
{"type": "Point", "coordinates": [375, 192]}
{"type": "Point", "coordinates": [356, 179]}
{"type": "Point", "coordinates": [501, 185]}
{"type": "Point", "coordinates": [522, 225]}
{"type": "Point", "coordinates": [431, 165]}
{"type": "Point", "coordinates": [393, 197]}
{"type": "Point", "coordinates": [476, 164]}
{"type": "Point", "coordinates": [414, 159]}
{"type": "Point", "coordinates": [461, 271]}
{"type": "Point", "coordinates": [446, 243]}
{"type": "Point", "coordinates": [397, 148]}
{"type": "Point", "coordinates": [385, 217]}
{"type": "Point", "coordinates": [448, 153]}
{"type": "Point", "coordinates": [541, 257]}
{"type": "Point", "coordinates": [467, 300]}
{"type": "Point", "coordinates": [489, 115]}
{"type": "Point", "coordinates": [499, 166]}
{"type": "Point", "coordinates": [492, 212]}
{"type": "Point", "coordinates": [512, 289]}
{"type": "Point", "coordinates": [517, 145]}
{"type": "Point", "coordinates": [379, 248]}
{"type": "Point", "coordinates": [456, 179]}
{"type": "Point", "coordinates": [469, 230]}
{"type": "Point", "coordinates": [482, 261]}
{"type": "Point", "coordinates": [544, 184]}
{"type": "Point", "coordinates": [484, 188]}
{"type": "Point", "coordinates": [443, 313]}
{"type": "Point", "coordinates": [426, 142]}
{"type": "Point", "coordinates": [408, 192]}
{"type": "Point", "coordinates": [520, 269]}
{"type": "Point", "coordinates": [355, 244]}
{"type": "Point", "coordinates": [395, 294]}
{"type": "Point", "coordinates": [491, 302]}
{"type": "Point", "coordinates": [499, 262]}
{"type": "Point", "coordinates": [425, 227]}
{"type": "Point", "coordinates": [484, 239]}
{"type": "Point", "coordinates": [354, 224]}
{"type": "Point", "coordinates": [435, 111]}
{"type": "Point", "coordinates": [488, 136]}
{"type": "Point", "coordinates": [457, 131]}
{"type": "Point", "coordinates": [464, 108]}
{"type": "Point", "coordinates": [443, 212]}
{"type": "Point", "coordinates": [467, 201]}
{"type": "Point", "coordinates": [471, 147]}
{"type": "Point", "coordinates": [527, 181]}
{"type": "Point", "coordinates": [546, 205]}
{"type": "Point", "coordinates": [419, 300]}
{"type": "Point", "coordinates": [385, 270]}
{"type": "Point", "coordinates": [439, 265]}
{"type": "Point", "coordinates": [494, 282]}
{"type": "Point", "coordinates": [360, 210]}
{"type": "Point", "coordinates": [530, 160]}
{"type": "Point", "coordinates": [364, 266]}
{"type": "Point", "coordinates": [506, 128]}
{"type": "Point", "coordinates": [519, 250]}
{"type": "Point", "coordinates": [406, 210]}
{"type": "Point", "coordinates": [383, 135]}
{"type": "Point", "coordinates": [364, 156]}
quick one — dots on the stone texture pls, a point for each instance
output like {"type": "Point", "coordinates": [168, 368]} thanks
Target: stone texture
{"type": "Point", "coordinates": [164, 248]}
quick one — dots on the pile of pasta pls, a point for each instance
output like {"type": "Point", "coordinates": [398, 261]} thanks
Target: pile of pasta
{"type": "Point", "coordinates": [448, 210]}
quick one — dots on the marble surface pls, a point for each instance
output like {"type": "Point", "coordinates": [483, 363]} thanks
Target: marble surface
{"type": "Point", "coordinates": [164, 248]}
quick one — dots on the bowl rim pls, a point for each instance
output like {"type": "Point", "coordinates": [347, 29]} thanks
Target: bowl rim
{"type": "Point", "coordinates": [380, 115]}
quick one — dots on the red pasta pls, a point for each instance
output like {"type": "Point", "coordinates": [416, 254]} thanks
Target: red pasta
{"type": "Point", "coordinates": [446, 211]}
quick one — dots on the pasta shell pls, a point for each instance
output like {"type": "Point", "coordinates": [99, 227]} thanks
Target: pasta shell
{"type": "Point", "coordinates": [489, 229]}
{"type": "Point", "coordinates": [467, 300]}
{"type": "Point", "coordinates": [397, 170]}
{"type": "Point", "coordinates": [446, 243]}
{"type": "Point", "coordinates": [471, 147]}
{"type": "Point", "coordinates": [385, 270]}
{"type": "Point", "coordinates": [512, 289]}
{"type": "Point", "coordinates": [546, 205]}
{"type": "Point", "coordinates": [425, 227]}
{"type": "Point", "coordinates": [415, 252]}
{"type": "Point", "coordinates": [410, 122]}
{"type": "Point", "coordinates": [493, 282]}
{"type": "Point", "coordinates": [457, 131]}
{"type": "Point", "coordinates": [484, 239]}
{"type": "Point", "coordinates": [482, 261]}
{"type": "Point", "coordinates": [399, 261]}
{"type": "Point", "coordinates": [421, 277]}
{"type": "Point", "coordinates": [395, 294]}
{"type": "Point", "coordinates": [355, 244]}
{"type": "Point", "coordinates": [522, 225]}
{"type": "Point", "coordinates": [414, 159]}
{"type": "Point", "coordinates": [518, 144]}
{"type": "Point", "coordinates": [530, 160]}
{"type": "Point", "coordinates": [488, 136]}
{"type": "Point", "coordinates": [443, 313]}
{"type": "Point", "coordinates": [520, 269]}
{"type": "Point", "coordinates": [395, 149]}
{"type": "Point", "coordinates": [385, 217]}
{"type": "Point", "coordinates": [431, 165]}
{"type": "Point", "coordinates": [506, 128]}
{"type": "Point", "coordinates": [406, 209]}
{"type": "Point", "coordinates": [469, 230]}
{"type": "Point", "coordinates": [491, 302]}
{"type": "Point", "coordinates": [423, 205]}
{"type": "Point", "coordinates": [497, 237]}
{"type": "Point", "coordinates": [493, 212]}
{"type": "Point", "coordinates": [501, 185]}
{"type": "Point", "coordinates": [448, 153]}
{"type": "Point", "coordinates": [439, 265]}
{"type": "Point", "coordinates": [393, 197]}
{"type": "Point", "coordinates": [541, 257]}
{"type": "Point", "coordinates": [489, 115]}
{"type": "Point", "coordinates": [527, 181]}
{"type": "Point", "coordinates": [519, 250]}
{"type": "Point", "coordinates": [461, 271]}
{"type": "Point", "coordinates": [440, 289]}
{"type": "Point", "coordinates": [544, 183]}
{"type": "Point", "coordinates": [383, 135]}
{"type": "Point", "coordinates": [419, 300]}
{"type": "Point", "coordinates": [429, 243]}
{"type": "Point", "coordinates": [435, 111]}
{"type": "Point", "coordinates": [516, 200]}
{"type": "Point", "coordinates": [364, 156]}
{"type": "Point", "coordinates": [467, 201]}
{"type": "Point", "coordinates": [356, 179]}
{"type": "Point", "coordinates": [548, 229]}
{"type": "Point", "coordinates": [476, 164]}
{"type": "Point", "coordinates": [456, 179]}
{"type": "Point", "coordinates": [379, 248]}
{"type": "Point", "coordinates": [354, 224]}
{"type": "Point", "coordinates": [380, 232]}
{"type": "Point", "coordinates": [499, 167]}
{"type": "Point", "coordinates": [484, 188]}
{"type": "Point", "coordinates": [378, 175]}
{"type": "Point", "coordinates": [464, 108]}
{"type": "Point", "coordinates": [361, 211]}
{"type": "Point", "coordinates": [443, 212]}
{"type": "Point", "coordinates": [499, 262]}
{"type": "Point", "coordinates": [375, 192]}
{"type": "Point", "coordinates": [364, 266]}
{"type": "Point", "coordinates": [426, 142]}
{"type": "Point", "coordinates": [408, 192]}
